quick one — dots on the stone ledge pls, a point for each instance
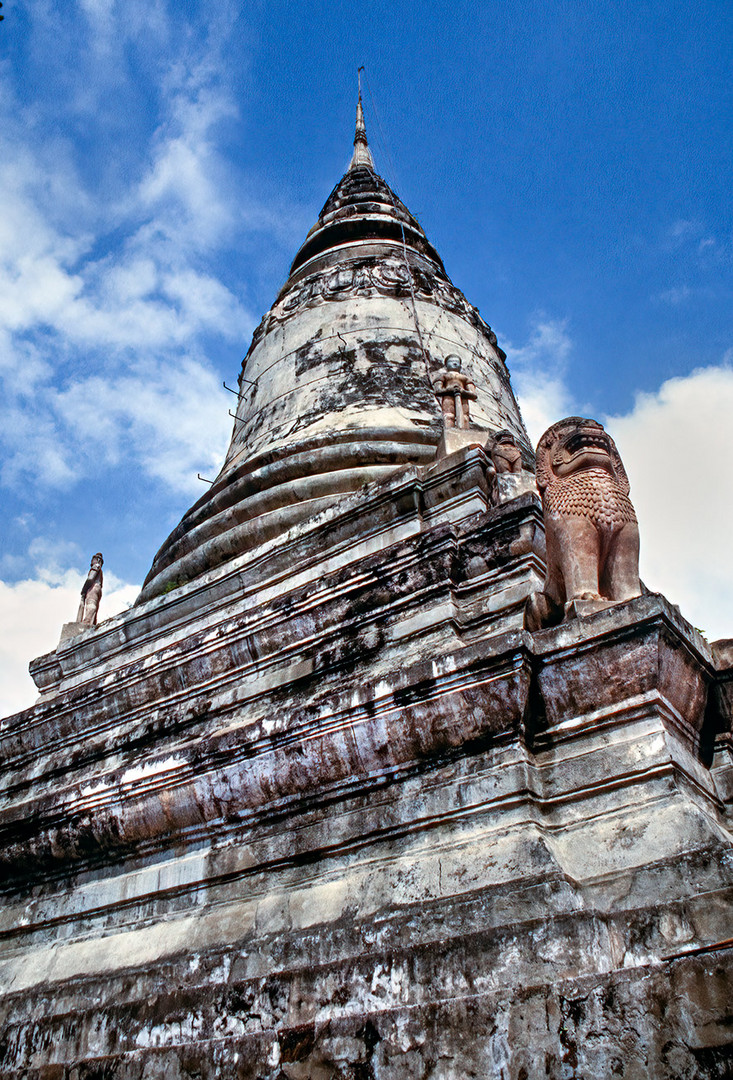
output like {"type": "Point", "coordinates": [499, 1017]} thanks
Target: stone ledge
{"type": "Point", "coordinates": [589, 666]}
{"type": "Point", "coordinates": [181, 677]}
{"type": "Point", "coordinates": [480, 693]}
{"type": "Point", "coordinates": [359, 525]}
{"type": "Point", "coordinates": [246, 767]}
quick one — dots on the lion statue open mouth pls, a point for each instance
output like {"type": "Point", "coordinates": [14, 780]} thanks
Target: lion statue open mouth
{"type": "Point", "coordinates": [590, 526]}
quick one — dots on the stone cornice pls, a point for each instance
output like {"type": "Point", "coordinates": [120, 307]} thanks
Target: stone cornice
{"type": "Point", "coordinates": [348, 739]}
{"type": "Point", "coordinates": [360, 524]}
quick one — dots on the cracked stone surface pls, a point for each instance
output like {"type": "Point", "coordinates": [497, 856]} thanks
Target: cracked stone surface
{"type": "Point", "coordinates": [328, 811]}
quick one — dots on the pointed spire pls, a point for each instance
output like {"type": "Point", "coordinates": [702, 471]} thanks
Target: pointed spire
{"type": "Point", "coordinates": [362, 154]}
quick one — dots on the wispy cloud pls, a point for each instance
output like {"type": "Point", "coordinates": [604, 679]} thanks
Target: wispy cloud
{"type": "Point", "coordinates": [693, 240]}
{"type": "Point", "coordinates": [692, 257]}
{"type": "Point", "coordinates": [110, 288]}
{"type": "Point", "coordinates": [676, 295]}
{"type": "Point", "coordinates": [538, 373]}
{"type": "Point", "coordinates": [177, 410]}
{"type": "Point", "coordinates": [682, 231]}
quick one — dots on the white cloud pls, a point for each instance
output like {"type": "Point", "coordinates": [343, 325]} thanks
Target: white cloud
{"type": "Point", "coordinates": [36, 281]}
{"type": "Point", "coordinates": [166, 419]}
{"type": "Point", "coordinates": [538, 374]}
{"type": "Point", "coordinates": [34, 611]}
{"type": "Point", "coordinates": [176, 409]}
{"type": "Point", "coordinates": [149, 291]}
{"type": "Point", "coordinates": [108, 290]}
{"type": "Point", "coordinates": [677, 449]}
{"type": "Point", "coordinates": [184, 182]}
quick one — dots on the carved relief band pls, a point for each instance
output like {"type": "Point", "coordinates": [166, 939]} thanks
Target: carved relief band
{"type": "Point", "coordinates": [385, 277]}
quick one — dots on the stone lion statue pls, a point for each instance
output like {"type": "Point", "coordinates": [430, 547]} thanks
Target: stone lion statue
{"type": "Point", "coordinates": [590, 525]}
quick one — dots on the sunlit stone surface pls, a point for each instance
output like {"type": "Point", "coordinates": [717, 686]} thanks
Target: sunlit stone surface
{"type": "Point", "coordinates": [318, 806]}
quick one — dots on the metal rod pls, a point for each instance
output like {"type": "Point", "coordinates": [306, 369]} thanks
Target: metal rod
{"type": "Point", "coordinates": [236, 392]}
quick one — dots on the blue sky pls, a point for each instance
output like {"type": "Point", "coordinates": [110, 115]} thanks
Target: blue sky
{"type": "Point", "coordinates": [160, 164]}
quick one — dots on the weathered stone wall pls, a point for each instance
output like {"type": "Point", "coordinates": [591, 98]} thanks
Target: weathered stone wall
{"type": "Point", "coordinates": [329, 812]}
{"type": "Point", "coordinates": [340, 350]}
{"type": "Point", "coordinates": [337, 388]}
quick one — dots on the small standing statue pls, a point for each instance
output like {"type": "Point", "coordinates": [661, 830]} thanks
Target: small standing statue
{"type": "Point", "coordinates": [91, 593]}
{"type": "Point", "coordinates": [455, 391]}
{"type": "Point", "coordinates": [505, 454]}
{"type": "Point", "coordinates": [590, 525]}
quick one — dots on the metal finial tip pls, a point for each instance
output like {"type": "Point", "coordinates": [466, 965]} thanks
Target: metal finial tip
{"type": "Point", "coordinates": [362, 154]}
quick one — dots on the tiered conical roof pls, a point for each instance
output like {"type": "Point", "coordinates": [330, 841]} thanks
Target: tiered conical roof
{"type": "Point", "coordinates": [361, 207]}
{"type": "Point", "coordinates": [335, 390]}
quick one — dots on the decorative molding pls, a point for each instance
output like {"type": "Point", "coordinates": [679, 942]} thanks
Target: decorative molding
{"type": "Point", "coordinates": [375, 277]}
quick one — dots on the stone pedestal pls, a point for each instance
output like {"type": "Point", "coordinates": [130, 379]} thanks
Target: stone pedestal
{"type": "Point", "coordinates": [579, 609]}
{"type": "Point", "coordinates": [72, 630]}
{"type": "Point", "coordinates": [454, 439]}
{"type": "Point", "coordinates": [511, 485]}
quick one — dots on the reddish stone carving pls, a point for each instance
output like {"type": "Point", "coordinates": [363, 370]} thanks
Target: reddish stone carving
{"type": "Point", "coordinates": [455, 391]}
{"type": "Point", "coordinates": [505, 454]}
{"type": "Point", "coordinates": [590, 525]}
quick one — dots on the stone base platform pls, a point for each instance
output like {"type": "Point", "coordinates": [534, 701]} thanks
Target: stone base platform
{"type": "Point", "coordinates": [331, 813]}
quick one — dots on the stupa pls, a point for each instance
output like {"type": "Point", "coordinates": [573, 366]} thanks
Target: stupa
{"type": "Point", "coordinates": [326, 802]}
{"type": "Point", "coordinates": [336, 390]}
